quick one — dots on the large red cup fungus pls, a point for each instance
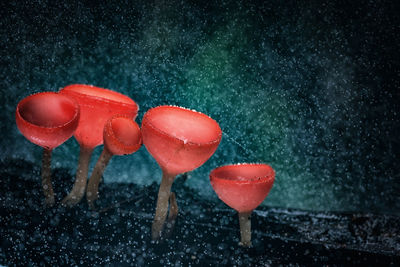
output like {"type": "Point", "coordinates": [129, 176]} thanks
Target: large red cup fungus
{"type": "Point", "coordinates": [121, 137]}
{"type": "Point", "coordinates": [97, 106]}
{"type": "Point", "coordinates": [243, 187]}
{"type": "Point", "coordinates": [180, 140]}
{"type": "Point", "coordinates": [47, 119]}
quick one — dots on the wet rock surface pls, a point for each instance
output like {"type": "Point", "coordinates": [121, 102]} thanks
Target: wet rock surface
{"type": "Point", "coordinates": [205, 233]}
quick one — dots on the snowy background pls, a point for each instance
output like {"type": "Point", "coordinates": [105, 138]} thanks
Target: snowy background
{"type": "Point", "coordinates": [311, 89]}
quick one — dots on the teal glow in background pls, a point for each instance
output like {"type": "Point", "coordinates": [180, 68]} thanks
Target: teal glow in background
{"type": "Point", "coordinates": [310, 89]}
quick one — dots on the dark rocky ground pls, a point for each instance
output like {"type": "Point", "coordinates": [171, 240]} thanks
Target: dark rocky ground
{"type": "Point", "coordinates": [206, 233]}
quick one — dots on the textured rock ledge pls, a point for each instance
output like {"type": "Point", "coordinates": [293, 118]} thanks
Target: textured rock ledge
{"type": "Point", "coordinates": [206, 233]}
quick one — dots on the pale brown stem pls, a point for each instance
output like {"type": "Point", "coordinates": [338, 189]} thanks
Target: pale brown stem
{"type": "Point", "coordinates": [173, 207]}
{"type": "Point", "coordinates": [162, 205]}
{"type": "Point", "coordinates": [172, 214]}
{"type": "Point", "coordinates": [78, 190]}
{"type": "Point", "coordinates": [245, 228]}
{"type": "Point", "coordinates": [46, 178]}
{"type": "Point", "coordinates": [92, 191]}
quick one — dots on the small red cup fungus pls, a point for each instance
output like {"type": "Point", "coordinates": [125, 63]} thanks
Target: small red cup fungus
{"type": "Point", "coordinates": [47, 119]}
{"type": "Point", "coordinates": [180, 140]}
{"type": "Point", "coordinates": [97, 106]}
{"type": "Point", "coordinates": [243, 187]}
{"type": "Point", "coordinates": [121, 137]}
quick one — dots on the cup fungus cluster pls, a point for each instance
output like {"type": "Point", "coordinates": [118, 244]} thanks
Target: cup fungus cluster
{"type": "Point", "coordinates": [47, 119]}
{"type": "Point", "coordinates": [243, 187]}
{"type": "Point", "coordinates": [97, 106]}
{"type": "Point", "coordinates": [121, 137]}
{"type": "Point", "coordinates": [179, 139]}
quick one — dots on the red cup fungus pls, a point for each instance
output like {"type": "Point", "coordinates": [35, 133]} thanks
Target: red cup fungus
{"type": "Point", "coordinates": [243, 187]}
{"type": "Point", "coordinates": [97, 106]}
{"type": "Point", "coordinates": [47, 119]}
{"type": "Point", "coordinates": [121, 137]}
{"type": "Point", "coordinates": [180, 140]}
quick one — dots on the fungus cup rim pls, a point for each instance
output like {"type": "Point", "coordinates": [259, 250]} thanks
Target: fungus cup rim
{"type": "Point", "coordinates": [270, 174]}
{"type": "Point", "coordinates": [26, 99]}
{"type": "Point", "coordinates": [108, 125]}
{"type": "Point", "coordinates": [128, 103]}
{"type": "Point", "coordinates": [146, 121]}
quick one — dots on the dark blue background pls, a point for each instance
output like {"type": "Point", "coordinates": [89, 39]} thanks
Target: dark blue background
{"type": "Point", "coordinates": [310, 88]}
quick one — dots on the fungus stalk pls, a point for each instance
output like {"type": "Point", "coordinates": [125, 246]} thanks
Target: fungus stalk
{"type": "Point", "coordinates": [46, 178]}
{"type": "Point", "coordinates": [172, 214]}
{"type": "Point", "coordinates": [162, 205]}
{"type": "Point", "coordinates": [92, 192]}
{"type": "Point", "coordinates": [245, 228]}
{"type": "Point", "coordinates": [79, 187]}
